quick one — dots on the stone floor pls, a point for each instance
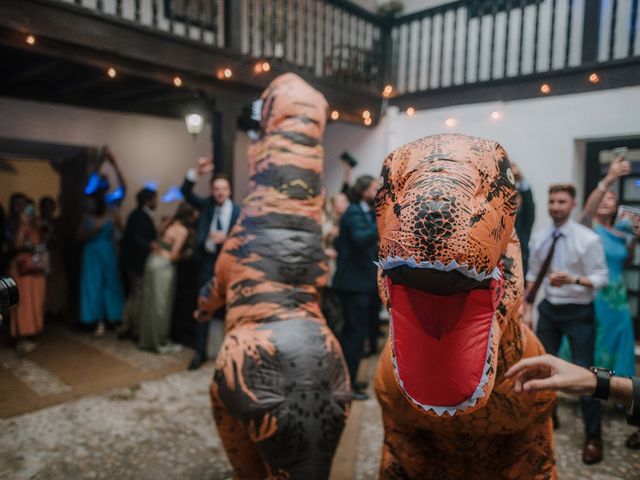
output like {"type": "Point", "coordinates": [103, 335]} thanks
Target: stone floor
{"type": "Point", "coordinates": [163, 429]}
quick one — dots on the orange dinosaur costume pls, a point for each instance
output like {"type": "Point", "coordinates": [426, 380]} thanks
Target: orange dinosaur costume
{"type": "Point", "coordinates": [451, 276]}
{"type": "Point", "coordinates": [280, 390]}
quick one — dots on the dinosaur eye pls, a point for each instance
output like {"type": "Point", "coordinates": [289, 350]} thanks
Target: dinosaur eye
{"type": "Point", "coordinates": [510, 176]}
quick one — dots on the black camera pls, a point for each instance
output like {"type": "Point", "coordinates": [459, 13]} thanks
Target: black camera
{"type": "Point", "coordinates": [346, 157]}
{"type": "Point", "coordinates": [9, 295]}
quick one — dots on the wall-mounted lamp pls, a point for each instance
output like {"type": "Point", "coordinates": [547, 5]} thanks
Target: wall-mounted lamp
{"type": "Point", "coordinates": [195, 124]}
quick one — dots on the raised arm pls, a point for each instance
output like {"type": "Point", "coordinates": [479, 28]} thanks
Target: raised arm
{"type": "Point", "coordinates": [112, 160]}
{"type": "Point", "coordinates": [204, 165]}
{"type": "Point", "coordinates": [618, 168]}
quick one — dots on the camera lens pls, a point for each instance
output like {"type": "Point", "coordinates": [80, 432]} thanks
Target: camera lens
{"type": "Point", "coordinates": [9, 295]}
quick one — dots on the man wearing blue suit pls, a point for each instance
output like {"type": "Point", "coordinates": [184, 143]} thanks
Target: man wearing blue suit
{"type": "Point", "coordinates": [218, 214]}
{"type": "Point", "coordinates": [356, 276]}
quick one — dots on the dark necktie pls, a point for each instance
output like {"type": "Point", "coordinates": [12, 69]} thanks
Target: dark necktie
{"type": "Point", "coordinates": [531, 296]}
{"type": "Point", "coordinates": [219, 221]}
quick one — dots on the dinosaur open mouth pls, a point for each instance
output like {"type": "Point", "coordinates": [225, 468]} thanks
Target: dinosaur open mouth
{"type": "Point", "coordinates": [442, 332]}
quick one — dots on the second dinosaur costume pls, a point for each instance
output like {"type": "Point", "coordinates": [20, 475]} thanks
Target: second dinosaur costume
{"type": "Point", "coordinates": [280, 391]}
{"type": "Point", "coordinates": [452, 279]}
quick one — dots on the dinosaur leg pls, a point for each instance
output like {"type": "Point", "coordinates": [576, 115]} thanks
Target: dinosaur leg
{"type": "Point", "coordinates": [242, 452]}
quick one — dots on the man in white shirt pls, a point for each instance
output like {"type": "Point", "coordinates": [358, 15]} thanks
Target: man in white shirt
{"type": "Point", "coordinates": [218, 214]}
{"type": "Point", "coordinates": [567, 261]}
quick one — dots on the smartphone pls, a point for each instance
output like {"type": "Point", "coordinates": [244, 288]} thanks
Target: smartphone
{"type": "Point", "coordinates": [619, 151]}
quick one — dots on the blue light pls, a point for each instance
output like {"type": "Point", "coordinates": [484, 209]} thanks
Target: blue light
{"type": "Point", "coordinates": [93, 184]}
{"type": "Point", "coordinates": [115, 196]}
{"type": "Point", "coordinates": [172, 195]}
{"type": "Point", "coordinates": [638, 183]}
{"type": "Point", "coordinates": [153, 186]}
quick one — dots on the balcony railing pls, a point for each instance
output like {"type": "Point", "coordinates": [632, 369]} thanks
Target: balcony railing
{"type": "Point", "coordinates": [458, 43]}
{"type": "Point", "coordinates": [476, 41]}
{"type": "Point", "coordinates": [326, 38]}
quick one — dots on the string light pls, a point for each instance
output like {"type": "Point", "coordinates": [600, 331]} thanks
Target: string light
{"type": "Point", "coordinates": [366, 114]}
{"type": "Point", "coordinates": [450, 122]}
{"type": "Point", "coordinates": [112, 72]}
{"type": "Point", "coordinates": [367, 121]}
{"type": "Point", "coordinates": [335, 115]}
{"type": "Point", "coordinates": [545, 88]}
{"type": "Point", "coordinates": [496, 115]}
{"type": "Point", "coordinates": [388, 90]}
{"type": "Point", "coordinates": [177, 81]}
{"type": "Point", "coordinates": [594, 77]}
{"type": "Point", "coordinates": [224, 74]}
{"type": "Point", "coordinates": [30, 39]}
{"type": "Point", "coordinates": [411, 111]}
{"type": "Point", "coordinates": [261, 67]}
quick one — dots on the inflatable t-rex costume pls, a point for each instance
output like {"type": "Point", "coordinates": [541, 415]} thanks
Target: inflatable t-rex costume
{"type": "Point", "coordinates": [280, 390]}
{"type": "Point", "coordinates": [452, 279]}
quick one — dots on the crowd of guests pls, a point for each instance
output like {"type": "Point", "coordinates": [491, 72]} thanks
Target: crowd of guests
{"type": "Point", "coordinates": [576, 267]}
{"type": "Point", "coordinates": [128, 269]}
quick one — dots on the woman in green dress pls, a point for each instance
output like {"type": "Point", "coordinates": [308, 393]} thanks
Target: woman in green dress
{"type": "Point", "coordinates": [158, 289]}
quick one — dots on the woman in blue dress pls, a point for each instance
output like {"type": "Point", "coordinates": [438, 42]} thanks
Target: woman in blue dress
{"type": "Point", "coordinates": [101, 293]}
{"type": "Point", "coordinates": [614, 328]}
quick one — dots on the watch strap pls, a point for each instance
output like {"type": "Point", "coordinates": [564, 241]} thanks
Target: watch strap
{"type": "Point", "coordinates": [603, 382]}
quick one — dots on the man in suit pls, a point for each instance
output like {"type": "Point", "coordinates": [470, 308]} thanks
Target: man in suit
{"type": "Point", "coordinates": [139, 233]}
{"type": "Point", "coordinates": [218, 214]}
{"type": "Point", "coordinates": [355, 278]}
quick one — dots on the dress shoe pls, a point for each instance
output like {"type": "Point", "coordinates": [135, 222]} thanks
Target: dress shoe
{"type": "Point", "coordinates": [360, 396]}
{"type": "Point", "coordinates": [592, 452]}
{"type": "Point", "coordinates": [196, 362]}
{"type": "Point", "coordinates": [633, 442]}
{"type": "Point", "coordinates": [360, 385]}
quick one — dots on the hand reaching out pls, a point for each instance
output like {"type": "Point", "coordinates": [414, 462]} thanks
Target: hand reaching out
{"type": "Point", "coordinates": [547, 372]}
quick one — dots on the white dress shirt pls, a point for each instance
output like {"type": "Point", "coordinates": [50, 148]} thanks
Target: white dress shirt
{"type": "Point", "coordinates": [223, 212]}
{"type": "Point", "coordinates": [578, 252]}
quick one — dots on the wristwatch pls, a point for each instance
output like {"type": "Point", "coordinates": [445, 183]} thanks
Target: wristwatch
{"type": "Point", "coordinates": [577, 280]}
{"type": "Point", "coordinates": [603, 382]}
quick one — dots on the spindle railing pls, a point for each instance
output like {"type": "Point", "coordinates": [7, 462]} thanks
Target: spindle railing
{"type": "Point", "coordinates": [458, 43]}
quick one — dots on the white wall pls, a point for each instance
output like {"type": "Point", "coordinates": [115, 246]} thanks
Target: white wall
{"type": "Point", "coordinates": [148, 148]}
{"type": "Point", "coordinates": [543, 135]}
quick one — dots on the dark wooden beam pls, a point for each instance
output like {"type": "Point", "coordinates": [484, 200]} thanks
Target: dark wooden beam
{"type": "Point", "coordinates": [29, 73]}
{"type": "Point", "coordinates": [612, 75]}
{"type": "Point", "coordinates": [80, 84]}
{"type": "Point", "coordinates": [82, 35]}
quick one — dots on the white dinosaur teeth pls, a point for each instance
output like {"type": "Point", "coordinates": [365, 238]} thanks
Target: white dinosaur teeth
{"type": "Point", "coordinates": [393, 262]}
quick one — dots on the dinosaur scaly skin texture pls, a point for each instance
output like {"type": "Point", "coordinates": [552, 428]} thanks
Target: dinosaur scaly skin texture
{"type": "Point", "coordinates": [451, 276]}
{"type": "Point", "coordinates": [280, 390]}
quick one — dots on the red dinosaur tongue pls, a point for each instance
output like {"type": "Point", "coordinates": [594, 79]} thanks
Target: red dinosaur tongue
{"type": "Point", "coordinates": [440, 342]}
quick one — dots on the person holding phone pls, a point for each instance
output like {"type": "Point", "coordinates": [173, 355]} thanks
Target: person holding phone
{"type": "Point", "coordinates": [614, 348]}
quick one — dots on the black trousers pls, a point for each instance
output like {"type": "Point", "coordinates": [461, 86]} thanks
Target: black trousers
{"type": "Point", "coordinates": [360, 310]}
{"type": "Point", "coordinates": [577, 322]}
{"type": "Point", "coordinates": [201, 329]}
